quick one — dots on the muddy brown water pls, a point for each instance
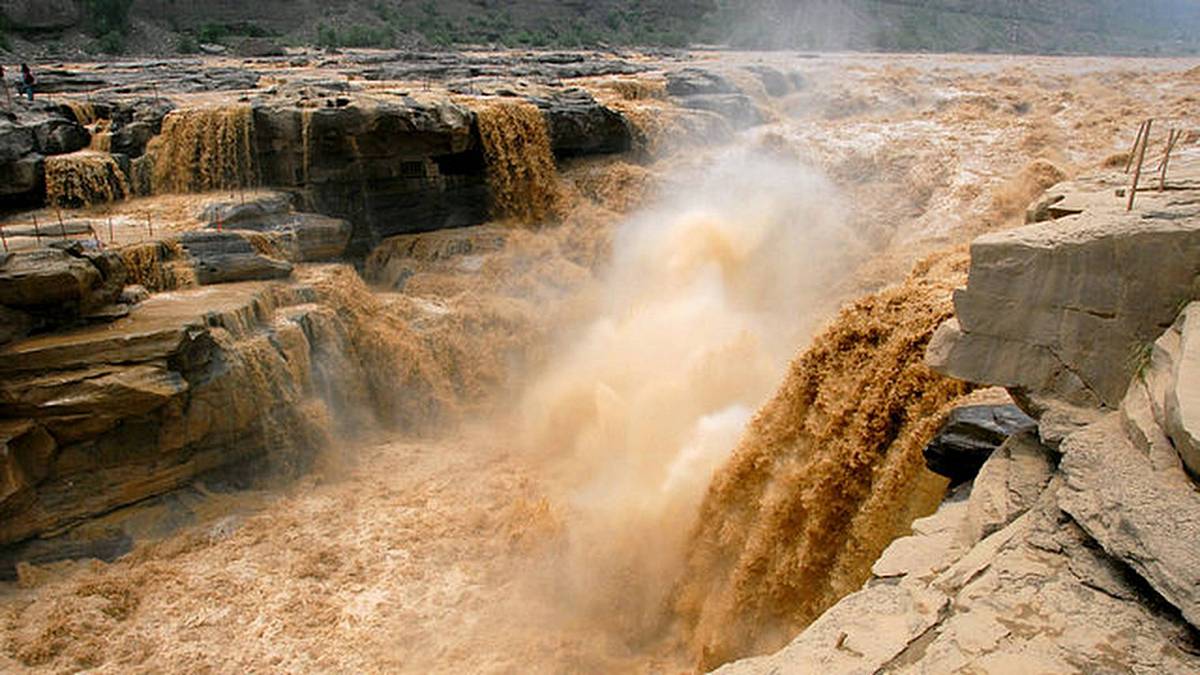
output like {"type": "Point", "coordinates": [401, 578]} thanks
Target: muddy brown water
{"type": "Point", "coordinates": [673, 427]}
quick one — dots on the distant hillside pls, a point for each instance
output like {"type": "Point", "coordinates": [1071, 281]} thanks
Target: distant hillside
{"type": "Point", "coordinates": [1045, 26]}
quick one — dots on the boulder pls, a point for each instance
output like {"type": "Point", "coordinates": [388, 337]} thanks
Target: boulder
{"type": "Point", "coordinates": [224, 257]}
{"type": "Point", "coordinates": [59, 136]}
{"type": "Point", "coordinates": [131, 139]}
{"type": "Point", "coordinates": [46, 279]}
{"type": "Point", "coordinates": [578, 125]}
{"type": "Point", "coordinates": [1056, 309]}
{"type": "Point", "coordinates": [969, 436]}
{"type": "Point", "coordinates": [1182, 400]}
{"type": "Point", "coordinates": [24, 177]}
{"type": "Point", "coordinates": [1147, 518]}
{"type": "Point", "coordinates": [16, 141]}
{"type": "Point", "coordinates": [693, 81]}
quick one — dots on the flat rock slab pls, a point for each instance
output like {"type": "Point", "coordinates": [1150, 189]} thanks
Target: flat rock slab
{"type": "Point", "coordinates": [158, 328]}
{"type": "Point", "coordinates": [859, 635]}
{"type": "Point", "coordinates": [1057, 308]}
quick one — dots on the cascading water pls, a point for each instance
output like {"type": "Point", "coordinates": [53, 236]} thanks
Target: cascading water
{"type": "Point", "coordinates": [520, 165]}
{"type": "Point", "coordinates": [827, 474]}
{"type": "Point", "coordinates": [645, 510]}
{"type": "Point", "coordinates": [202, 149]}
{"type": "Point", "coordinates": [84, 178]}
{"type": "Point", "coordinates": [703, 301]}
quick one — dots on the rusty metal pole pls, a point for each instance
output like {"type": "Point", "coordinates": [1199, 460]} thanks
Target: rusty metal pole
{"type": "Point", "coordinates": [3, 239]}
{"type": "Point", "coordinates": [1137, 174]}
{"type": "Point", "coordinates": [37, 231]}
{"type": "Point", "coordinates": [1136, 142]}
{"type": "Point", "coordinates": [1172, 139]}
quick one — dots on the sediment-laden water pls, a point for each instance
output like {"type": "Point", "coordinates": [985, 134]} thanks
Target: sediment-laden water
{"type": "Point", "coordinates": [648, 425]}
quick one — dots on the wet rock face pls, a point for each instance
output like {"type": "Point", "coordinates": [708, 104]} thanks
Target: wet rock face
{"type": "Point", "coordinates": [969, 437]}
{"type": "Point", "coordinates": [578, 125]}
{"type": "Point", "coordinates": [388, 168]}
{"type": "Point", "coordinates": [401, 167]}
{"type": "Point", "coordinates": [60, 286]}
{"type": "Point", "coordinates": [232, 382]}
{"type": "Point", "coordinates": [225, 257]}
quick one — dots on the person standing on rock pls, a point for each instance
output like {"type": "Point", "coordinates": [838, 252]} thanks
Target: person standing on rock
{"type": "Point", "coordinates": [25, 86]}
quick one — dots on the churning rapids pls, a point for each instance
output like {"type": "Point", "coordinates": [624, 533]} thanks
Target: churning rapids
{"type": "Point", "coordinates": [681, 400]}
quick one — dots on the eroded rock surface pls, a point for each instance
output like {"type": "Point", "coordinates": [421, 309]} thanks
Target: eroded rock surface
{"type": "Point", "coordinates": [227, 380]}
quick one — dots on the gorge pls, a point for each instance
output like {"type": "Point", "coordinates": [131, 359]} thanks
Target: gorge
{"type": "Point", "coordinates": [504, 361]}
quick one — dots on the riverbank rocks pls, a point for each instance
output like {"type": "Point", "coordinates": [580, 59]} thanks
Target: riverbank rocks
{"type": "Point", "coordinates": [59, 286]}
{"type": "Point", "coordinates": [1058, 309]}
{"type": "Point", "coordinates": [301, 237]}
{"type": "Point", "coordinates": [1078, 547]}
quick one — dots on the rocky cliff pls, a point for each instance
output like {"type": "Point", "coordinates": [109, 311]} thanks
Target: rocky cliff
{"type": "Point", "coordinates": [196, 338]}
{"type": "Point", "coordinates": [391, 142]}
{"type": "Point", "coordinates": [1074, 547]}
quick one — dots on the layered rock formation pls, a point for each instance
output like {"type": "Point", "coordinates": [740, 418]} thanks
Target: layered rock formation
{"type": "Point", "coordinates": [1058, 309]}
{"type": "Point", "coordinates": [1075, 547]}
{"type": "Point", "coordinates": [387, 156]}
{"type": "Point", "coordinates": [240, 380]}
